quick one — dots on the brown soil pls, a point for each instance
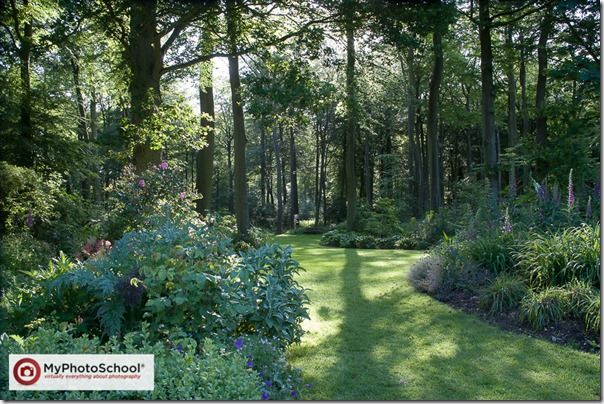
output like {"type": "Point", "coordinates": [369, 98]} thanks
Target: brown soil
{"type": "Point", "coordinates": [570, 333]}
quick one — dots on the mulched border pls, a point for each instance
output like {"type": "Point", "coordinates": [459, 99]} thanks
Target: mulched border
{"type": "Point", "coordinates": [567, 332]}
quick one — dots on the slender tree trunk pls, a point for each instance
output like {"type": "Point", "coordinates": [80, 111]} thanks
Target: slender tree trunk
{"type": "Point", "coordinates": [277, 148]}
{"type": "Point", "coordinates": [263, 179]}
{"type": "Point", "coordinates": [240, 197]}
{"type": "Point", "coordinates": [541, 117]}
{"type": "Point", "coordinates": [293, 176]}
{"type": "Point", "coordinates": [283, 179]}
{"type": "Point", "coordinates": [432, 124]}
{"type": "Point", "coordinates": [351, 124]}
{"type": "Point", "coordinates": [231, 176]}
{"type": "Point", "coordinates": [317, 168]}
{"type": "Point", "coordinates": [488, 96]}
{"type": "Point", "coordinates": [96, 183]}
{"type": "Point", "coordinates": [145, 61]}
{"type": "Point", "coordinates": [524, 106]}
{"type": "Point", "coordinates": [25, 155]}
{"type": "Point", "coordinates": [512, 125]}
{"type": "Point", "coordinates": [205, 156]}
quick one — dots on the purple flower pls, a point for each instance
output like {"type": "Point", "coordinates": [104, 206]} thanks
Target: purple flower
{"type": "Point", "coordinates": [507, 223]}
{"type": "Point", "coordinates": [260, 373]}
{"type": "Point", "coordinates": [239, 343]}
{"type": "Point", "coordinates": [29, 220]}
{"type": "Point", "coordinates": [164, 165]}
{"type": "Point", "coordinates": [268, 383]}
{"type": "Point", "coordinates": [250, 364]}
{"type": "Point", "coordinates": [294, 394]}
{"type": "Point", "coordinates": [265, 395]}
{"type": "Point", "coordinates": [571, 193]}
{"type": "Point", "coordinates": [141, 183]}
{"type": "Point", "coordinates": [179, 348]}
{"type": "Point", "coordinates": [182, 195]}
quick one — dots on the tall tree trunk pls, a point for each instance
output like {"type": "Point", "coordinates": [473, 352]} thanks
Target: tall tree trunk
{"type": "Point", "coordinates": [293, 165]}
{"type": "Point", "coordinates": [25, 155]}
{"type": "Point", "coordinates": [351, 123]}
{"type": "Point", "coordinates": [432, 124]}
{"type": "Point", "coordinates": [277, 148]}
{"type": "Point", "coordinates": [96, 183]}
{"type": "Point", "coordinates": [317, 168]}
{"type": "Point", "coordinates": [263, 179]}
{"type": "Point", "coordinates": [524, 106]}
{"type": "Point", "coordinates": [145, 61]}
{"type": "Point", "coordinates": [283, 179]}
{"type": "Point", "coordinates": [416, 171]}
{"type": "Point", "coordinates": [541, 117]}
{"type": "Point", "coordinates": [367, 173]}
{"type": "Point", "coordinates": [82, 127]}
{"type": "Point", "coordinates": [240, 198]}
{"type": "Point", "coordinates": [512, 125]}
{"type": "Point", "coordinates": [205, 156]}
{"type": "Point", "coordinates": [231, 176]}
{"type": "Point", "coordinates": [488, 96]}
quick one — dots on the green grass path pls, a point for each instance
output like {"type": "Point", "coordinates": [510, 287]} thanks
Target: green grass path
{"type": "Point", "coordinates": [372, 337]}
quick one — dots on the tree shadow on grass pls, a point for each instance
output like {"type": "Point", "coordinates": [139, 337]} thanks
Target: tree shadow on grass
{"type": "Point", "coordinates": [399, 344]}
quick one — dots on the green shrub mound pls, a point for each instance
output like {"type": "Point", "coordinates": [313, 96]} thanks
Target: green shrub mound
{"type": "Point", "coordinates": [505, 292]}
{"type": "Point", "coordinates": [183, 370]}
{"type": "Point", "coordinates": [352, 239]}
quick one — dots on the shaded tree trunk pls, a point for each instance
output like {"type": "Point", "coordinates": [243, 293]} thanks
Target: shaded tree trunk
{"type": "Point", "coordinates": [277, 149]}
{"type": "Point", "coordinates": [488, 96]}
{"type": "Point", "coordinates": [432, 123]}
{"type": "Point", "coordinates": [145, 62]}
{"type": "Point", "coordinates": [351, 114]}
{"type": "Point", "coordinates": [263, 180]}
{"type": "Point", "coordinates": [541, 118]}
{"type": "Point", "coordinates": [205, 156]}
{"type": "Point", "coordinates": [294, 207]}
{"type": "Point", "coordinates": [512, 125]}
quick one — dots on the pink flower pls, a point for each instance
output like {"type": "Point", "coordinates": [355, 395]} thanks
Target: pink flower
{"type": "Point", "coordinates": [182, 195]}
{"type": "Point", "coordinates": [141, 183]}
{"type": "Point", "coordinates": [163, 165]}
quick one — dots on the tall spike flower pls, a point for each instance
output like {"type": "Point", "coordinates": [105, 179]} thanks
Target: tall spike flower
{"type": "Point", "coordinates": [588, 210]}
{"type": "Point", "coordinates": [571, 193]}
{"type": "Point", "coordinates": [507, 222]}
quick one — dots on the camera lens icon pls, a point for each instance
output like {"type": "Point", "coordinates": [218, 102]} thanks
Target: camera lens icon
{"type": "Point", "coordinates": [26, 371]}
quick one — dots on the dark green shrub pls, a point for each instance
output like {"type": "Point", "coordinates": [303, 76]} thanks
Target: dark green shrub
{"type": "Point", "coordinates": [543, 308]}
{"type": "Point", "coordinates": [505, 292]}
{"type": "Point", "coordinates": [556, 259]}
{"type": "Point", "coordinates": [182, 371]}
{"type": "Point", "coordinates": [381, 220]}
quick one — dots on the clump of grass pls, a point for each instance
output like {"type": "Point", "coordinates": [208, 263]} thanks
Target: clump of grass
{"type": "Point", "coordinates": [556, 259]}
{"type": "Point", "coordinates": [545, 307]}
{"type": "Point", "coordinates": [426, 274]}
{"type": "Point", "coordinates": [505, 292]}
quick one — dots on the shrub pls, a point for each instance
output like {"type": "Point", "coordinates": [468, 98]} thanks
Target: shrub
{"type": "Point", "coordinates": [555, 259]}
{"type": "Point", "coordinates": [267, 357]}
{"type": "Point", "coordinates": [543, 308]}
{"type": "Point", "coordinates": [493, 251]}
{"type": "Point", "coordinates": [20, 253]}
{"type": "Point", "coordinates": [181, 373]}
{"type": "Point", "coordinates": [185, 275]}
{"type": "Point", "coordinates": [426, 274]}
{"type": "Point", "coordinates": [590, 307]}
{"type": "Point", "coordinates": [381, 220]}
{"type": "Point", "coordinates": [505, 292]}
{"type": "Point", "coordinates": [135, 198]}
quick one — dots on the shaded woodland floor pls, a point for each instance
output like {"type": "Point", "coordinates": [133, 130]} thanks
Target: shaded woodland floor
{"type": "Point", "coordinates": [373, 337]}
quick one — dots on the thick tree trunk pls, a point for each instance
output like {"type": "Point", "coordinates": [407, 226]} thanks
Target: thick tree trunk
{"type": "Point", "coordinates": [512, 125]}
{"type": "Point", "coordinates": [145, 61]}
{"type": "Point", "coordinates": [351, 125]}
{"type": "Point", "coordinates": [432, 124]}
{"type": "Point", "coordinates": [205, 156]}
{"type": "Point", "coordinates": [277, 148]}
{"type": "Point", "coordinates": [488, 107]}
{"type": "Point", "coordinates": [293, 178]}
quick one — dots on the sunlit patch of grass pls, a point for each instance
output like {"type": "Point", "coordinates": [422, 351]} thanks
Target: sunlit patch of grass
{"type": "Point", "coordinates": [372, 337]}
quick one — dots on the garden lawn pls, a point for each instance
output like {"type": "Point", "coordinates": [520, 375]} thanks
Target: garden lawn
{"type": "Point", "coordinates": [373, 337]}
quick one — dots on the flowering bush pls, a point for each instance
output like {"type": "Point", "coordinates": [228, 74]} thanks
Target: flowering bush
{"type": "Point", "coordinates": [134, 198]}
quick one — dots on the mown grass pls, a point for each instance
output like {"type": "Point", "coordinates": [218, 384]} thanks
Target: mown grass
{"type": "Point", "coordinates": [373, 337]}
